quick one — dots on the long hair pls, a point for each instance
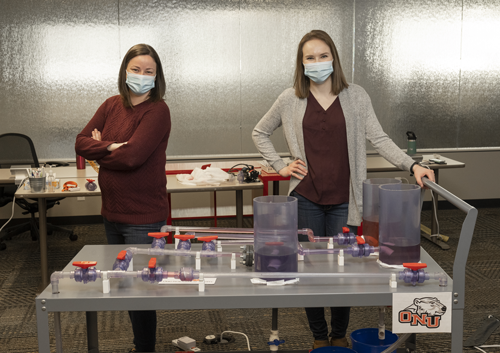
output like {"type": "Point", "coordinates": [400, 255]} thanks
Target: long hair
{"type": "Point", "coordinates": [158, 92]}
{"type": "Point", "coordinates": [302, 82]}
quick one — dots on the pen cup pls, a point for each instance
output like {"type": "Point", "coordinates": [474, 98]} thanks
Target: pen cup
{"type": "Point", "coordinates": [37, 184]}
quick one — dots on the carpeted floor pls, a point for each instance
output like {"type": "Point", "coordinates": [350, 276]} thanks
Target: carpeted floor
{"type": "Point", "coordinates": [19, 279]}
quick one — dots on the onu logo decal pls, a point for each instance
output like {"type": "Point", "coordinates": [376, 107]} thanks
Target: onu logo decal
{"type": "Point", "coordinates": [424, 311]}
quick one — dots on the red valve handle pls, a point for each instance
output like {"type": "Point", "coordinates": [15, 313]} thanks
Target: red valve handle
{"type": "Point", "coordinates": [158, 235]}
{"type": "Point", "coordinates": [122, 254]}
{"type": "Point", "coordinates": [274, 243]}
{"type": "Point", "coordinates": [345, 230]}
{"type": "Point", "coordinates": [90, 180]}
{"type": "Point", "coordinates": [415, 266]}
{"type": "Point", "coordinates": [209, 238]}
{"type": "Point", "coordinates": [360, 239]}
{"type": "Point", "coordinates": [84, 264]}
{"type": "Point", "coordinates": [184, 236]}
{"type": "Point", "coordinates": [152, 263]}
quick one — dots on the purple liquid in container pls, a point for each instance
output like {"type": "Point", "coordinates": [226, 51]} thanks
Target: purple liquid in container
{"type": "Point", "coordinates": [399, 223]}
{"type": "Point", "coordinates": [275, 229]}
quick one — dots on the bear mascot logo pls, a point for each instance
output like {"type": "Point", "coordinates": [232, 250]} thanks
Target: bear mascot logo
{"type": "Point", "coordinates": [426, 311]}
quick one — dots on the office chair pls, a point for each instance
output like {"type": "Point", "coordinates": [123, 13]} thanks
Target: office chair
{"type": "Point", "coordinates": [18, 149]}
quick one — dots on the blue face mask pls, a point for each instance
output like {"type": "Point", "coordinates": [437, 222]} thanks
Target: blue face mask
{"type": "Point", "coordinates": [140, 84]}
{"type": "Point", "coordinates": [319, 72]}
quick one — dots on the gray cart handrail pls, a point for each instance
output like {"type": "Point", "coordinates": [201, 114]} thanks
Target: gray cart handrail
{"type": "Point", "coordinates": [460, 261]}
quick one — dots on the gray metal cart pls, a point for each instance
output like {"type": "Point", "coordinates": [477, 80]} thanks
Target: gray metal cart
{"type": "Point", "coordinates": [227, 293]}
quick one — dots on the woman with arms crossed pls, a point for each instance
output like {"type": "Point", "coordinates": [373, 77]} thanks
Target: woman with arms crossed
{"type": "Point", "coordinates": [128, 137]}
{"type": "Point", "coordinates": [326, 122]}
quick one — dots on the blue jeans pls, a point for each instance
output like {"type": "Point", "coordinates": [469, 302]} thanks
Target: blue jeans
{"type": "Point", "coordinates": [324, 220]}
{"type": "Point", "coordinates": [143, 322]}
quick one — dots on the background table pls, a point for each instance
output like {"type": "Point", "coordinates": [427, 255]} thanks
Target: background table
{"type": "Point", "coordinates": [80, 176]}
{"type": "Point", "coordinates": [226, 293]}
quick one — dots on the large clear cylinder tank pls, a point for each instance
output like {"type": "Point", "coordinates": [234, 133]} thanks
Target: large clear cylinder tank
{"type": "Point", "coordinates": [399, 223]}
{"type": "Point", "coordinates": [275, 233]}
{"type": "Point", "coordinates": [371, 207]}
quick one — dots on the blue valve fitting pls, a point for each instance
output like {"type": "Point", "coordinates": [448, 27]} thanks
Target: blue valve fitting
{"type": "Point", "coordinates": [276, 342]}
{"type": "Point", "coordinates": [413, 276]}
{"type": "Point", "coordinates": [85, 275]}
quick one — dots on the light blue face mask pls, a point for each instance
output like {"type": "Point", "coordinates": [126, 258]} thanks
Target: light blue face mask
{"type": "Point", "coordinates": [140, 84]}
{"type": "Point", "coordinates": [319, 72]}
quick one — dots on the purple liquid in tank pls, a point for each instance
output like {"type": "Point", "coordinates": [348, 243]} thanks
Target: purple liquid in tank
{"type": "Point", "coordinates": [397, 255]}
{"type": "Point", "coordinates": [276, 258]}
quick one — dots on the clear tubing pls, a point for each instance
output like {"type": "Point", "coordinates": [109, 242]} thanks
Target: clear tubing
{"type": "Point", "coordinates": [218, 231]}
{"type": "Point", "coordinates": [274, 275]}
{"type": "Point", "coordinates": [169, 228]}
{"type": "Point", "coordinates": [419, 276]}
{"type": "Point", "coordinates": [355, 250]}
{"type": "Point", "coordinates": [161, 252]}
{"type": "Point", "coordinates": [440, 276]}
{"type": "Point", "coordinates": [188, 274]}
{"type": "Point", "coordinates": [120, 274]}
{"type": "Point", "coordinates": [341, 239]}
{"type": "Point", "coordinates": [56, 276]}
{"type": "Point", "coordinates": [236, 242]}
{"type": "Point", "coordinates": [226, 235]}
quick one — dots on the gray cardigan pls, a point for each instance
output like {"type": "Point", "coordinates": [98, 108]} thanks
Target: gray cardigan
{"type": "Point", "coordinates": [361, 124]}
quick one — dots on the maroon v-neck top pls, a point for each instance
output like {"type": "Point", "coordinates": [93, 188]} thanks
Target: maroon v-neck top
{"type": "Point", "coordinates": [325, 142]}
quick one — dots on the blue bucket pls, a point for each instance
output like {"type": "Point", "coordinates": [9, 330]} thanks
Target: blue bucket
{"type": "Point", "coordinates": [332, 349]}
{"type": "Point", "coordinates": [366, 340]}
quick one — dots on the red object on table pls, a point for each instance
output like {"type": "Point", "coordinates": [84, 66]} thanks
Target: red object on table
{"type": "Point", "coordinates": [158, 235]}
{"type": "Point", "coordinates": [208, 238]}
{"type": "Point", "coordinates": [84, 264]}
{"type": "Point", "coordinates": [184, 237]}
{"type": "Point", "coordinates": [122, 254]}
{"type": "Point", "coordinates": [80, 162]}
{"type": "Point", "coordinates": [414, 265]}
{"type": "Point", "coordinates": [360, 240]}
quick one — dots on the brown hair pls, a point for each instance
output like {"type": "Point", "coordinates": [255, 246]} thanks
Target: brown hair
{"type": "Point", "coordinates": [302, 82]}
{"type": "Point", "coordinates": [158, 92]}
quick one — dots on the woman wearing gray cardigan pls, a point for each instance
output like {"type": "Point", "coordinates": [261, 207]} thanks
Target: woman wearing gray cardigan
{"type": "Point", "coordinates": [326, 122]}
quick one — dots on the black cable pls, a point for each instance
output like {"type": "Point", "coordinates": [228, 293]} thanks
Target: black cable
{"type": "Point", "coordinates": [246, 165]}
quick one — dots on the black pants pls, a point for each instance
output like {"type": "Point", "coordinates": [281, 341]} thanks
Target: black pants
{"type": "Point", "coordinates": [144, 327]}
{"type": "Point", "coordinates": [319, 327]}
{"type": "Point", "coordinates": [324, 220]}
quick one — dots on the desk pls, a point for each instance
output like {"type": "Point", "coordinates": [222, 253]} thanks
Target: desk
{"type": "Point", "coordinates": [226, 293]}
{"type": "Point", "coordinates": [173, 186]}
{"type": "Point", "coordinates": [375, 164]}
{"type": "Point", "coordinates": [62, 172]}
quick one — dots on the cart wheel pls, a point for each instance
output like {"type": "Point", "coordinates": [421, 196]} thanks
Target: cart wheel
{"type": "Point", "coordinates": [3, 246]}
{"type": "Point", "coordinates": [73, 237]}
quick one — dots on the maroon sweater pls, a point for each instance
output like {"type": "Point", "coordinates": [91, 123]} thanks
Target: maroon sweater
{"type": "Point", "coordinates": [132, 177]}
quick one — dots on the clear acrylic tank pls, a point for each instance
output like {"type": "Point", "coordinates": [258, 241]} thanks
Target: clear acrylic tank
{"type": "Point", "coordinates": [275, 230]}
{"type": "Point", "coordinates": [371, 207]}
{"type": "Point", "coordinates": [399, 234]}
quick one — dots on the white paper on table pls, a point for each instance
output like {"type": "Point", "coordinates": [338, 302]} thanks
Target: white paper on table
{"type": "Point", "coordinates": [195, 281]}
